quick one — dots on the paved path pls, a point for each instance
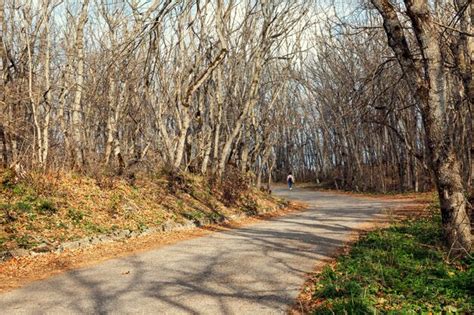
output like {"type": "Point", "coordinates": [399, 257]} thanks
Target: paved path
{"type": "Point", "coordinates": [256, 269]}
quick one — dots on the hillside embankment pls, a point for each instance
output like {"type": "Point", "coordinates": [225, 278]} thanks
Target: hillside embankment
{"type": "Point", "coordinates": [44, 212]}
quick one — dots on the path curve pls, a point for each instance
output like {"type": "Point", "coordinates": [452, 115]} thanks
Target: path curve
{"type": "Point", "coordinates": [256, 269]}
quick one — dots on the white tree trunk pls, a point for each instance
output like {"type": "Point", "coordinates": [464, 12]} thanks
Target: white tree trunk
{"type": "Point", "coordinates": [77, 116]}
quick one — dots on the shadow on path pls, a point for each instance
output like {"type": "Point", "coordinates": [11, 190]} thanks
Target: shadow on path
{"type": "Point", "coordinates": [254, 269]}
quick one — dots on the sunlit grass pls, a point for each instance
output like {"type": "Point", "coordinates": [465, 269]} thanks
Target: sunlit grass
{"type": "Point", "coordinates": [399, 270]}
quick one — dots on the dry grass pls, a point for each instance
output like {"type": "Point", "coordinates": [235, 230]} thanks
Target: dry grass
{"type": "Point", "coordinates": [57, 207]}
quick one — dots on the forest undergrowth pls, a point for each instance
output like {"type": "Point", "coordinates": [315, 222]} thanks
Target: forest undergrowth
{"type": "Point", "coordinates": [51, 208]}
{"type": "Point", "coordinates": [402, 269]}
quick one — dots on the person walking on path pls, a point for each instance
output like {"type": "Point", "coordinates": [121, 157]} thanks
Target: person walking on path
{"type": "Point", "coordinates": [290, 180]}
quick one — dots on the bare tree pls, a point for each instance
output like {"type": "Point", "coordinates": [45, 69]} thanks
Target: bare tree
{"type": "Point", "coordinates": [261, 87]}
{"type": "Point", "coordinates": [428, 77]}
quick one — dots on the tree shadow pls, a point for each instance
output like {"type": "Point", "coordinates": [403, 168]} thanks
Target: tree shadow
{"type": "Point", "coordinates": [257, 268]}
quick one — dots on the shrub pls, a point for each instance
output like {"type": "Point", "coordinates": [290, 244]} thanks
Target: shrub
{"type": "Point", "coordinates": [45, 206]}
{"type": "Point", "coordinates": [25, 241]}
{"type": "Point", "coordinates": [194, 216]}
{"type": "Point", "coordinates": [177, 182]}
{"type": "Point", "coordinates": [8, 179]}
{"type": "Point", "coordinates": [76, 216]}
{"type": "Point", "coordinates": [104, 180]}
{"type": "Point", "coordinates": [18, 189]}
{"type": "Point", "coordinates": [232, 186]}
{"type": "Point", "coordinates": [250, 206]}
{"type": "Point", "coordinates": [215, 216]}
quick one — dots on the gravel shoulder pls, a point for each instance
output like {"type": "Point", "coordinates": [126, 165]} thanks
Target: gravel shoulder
{"type": "Point", "coordinates": [259, 268]}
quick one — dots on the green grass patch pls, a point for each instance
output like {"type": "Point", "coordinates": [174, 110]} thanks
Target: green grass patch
{"type": "Point", "coordinates": [215, 216]}
{"type": "Point", "coordinates": [250, 206]}
{"type": "Point", "coordinates": [23, 206]}
{"type": "Point", "coordinates": [75, 215]}
{"type": "Point", "coordinates": [45, 206]}
{"type": "Point", "coordinates": [93, 228]}
{"type": "Point", "coordinates": [194, 215]}
{"type": "Point", "coordinates": [25, 241]}
{"type": "Point", "coordinates": [399, 270]}
{"type": "Point", "coordinates": [142, 226]}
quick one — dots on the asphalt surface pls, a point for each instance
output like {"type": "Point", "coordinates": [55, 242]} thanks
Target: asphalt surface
{"type": "Point", "coordinates": [256, 269]}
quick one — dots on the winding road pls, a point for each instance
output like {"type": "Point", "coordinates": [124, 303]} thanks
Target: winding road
{"type": "Point", "coordinates": [255, 269]}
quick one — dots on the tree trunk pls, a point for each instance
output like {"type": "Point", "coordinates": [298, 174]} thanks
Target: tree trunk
{"type": "Point", "coordinates": [429, 80]}
{"type": "Point", "coordinates": [77, 117]}
{"type": "Point", "coordinates": [48, 98]}
{"type": "Point", "coordinates": [3, 81]}
{"type": "Point", "coordinates": [183, 133]}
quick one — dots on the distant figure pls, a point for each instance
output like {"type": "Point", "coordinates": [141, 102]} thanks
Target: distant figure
{"type": "Point", "coordinates": [290, 180]}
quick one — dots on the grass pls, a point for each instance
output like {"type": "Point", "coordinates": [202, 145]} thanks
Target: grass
{"type": "Point", "coordinates": [399, 270]}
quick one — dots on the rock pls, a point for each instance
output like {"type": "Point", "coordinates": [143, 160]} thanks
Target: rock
{"type": "Point", "coordinates": [168, 226]}
{"type": "Point", "coordinates": [186, 225]}
{"type": "Point", "coordinates": [19, 252]}
{"type": "Point", "coordinates": [70, 245]}
{"type": "Point", "coordinates": [237, 216]}
{"type": "Point", "coordinates": [205, 221]}
{"type": "Point", "coordinates": [43, 248]}
{"type": "Point", "coordinates": [94, 240]}
{"type": "Point", "coordinates": [5, 255]}
{"type": "Point", "coordinates": [107, 238]}
{"type": "Point", "coordinates": [121, 234]}
{"type": "Point", "coordinates": [134, 233]}
{"type": "Point", "coordinates": [224, 220]}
